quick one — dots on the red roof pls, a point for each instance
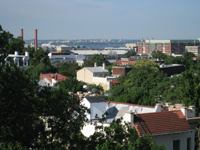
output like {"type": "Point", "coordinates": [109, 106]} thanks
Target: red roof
{"type": "Point", "coordinates": [161, 122]}
{"type": "Point", "coordinates": [55, 76]}
{"type": "Point", "coordinates": [118, 62]}
{"type": "Point", "coordinates": [114, 82]}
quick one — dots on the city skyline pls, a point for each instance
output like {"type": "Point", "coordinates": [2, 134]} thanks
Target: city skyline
{"type": "Point", "coordinates": [107, 19]}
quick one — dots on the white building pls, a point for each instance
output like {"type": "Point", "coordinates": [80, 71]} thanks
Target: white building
{"type": "Point", "coordinates": [19, 60]}
{"type": "Point", "coordinates": [169, 125]}
{"type": "Point", "coordinates": [51, 79]}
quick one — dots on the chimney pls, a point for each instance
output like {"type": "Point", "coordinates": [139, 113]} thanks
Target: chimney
{"type": "Point", "coordinates": [129, 117]}
{"type": "Point", "coordinates": [27, 54]}
{"type": "Point", "coordinates": [95, 64]}
{"type": "Point", "coordinates": [152, 38]}
{"type": "Point", "coordinates": [141, 39]}
{"type": "Point", "coordinates": [104, 66]}
{"type": "Point", "coordinates": [35, 39]}
{"type": "Point", "coordinates": [147, 38]}
{"type": "Point", "coordinates": [21, 34]}
{"type": "Point", "coordinates": [16, 53]}
{"type": "Point", "coordinates": [185, 111]}
{"type": "Point", "coordinates": [56, 76]}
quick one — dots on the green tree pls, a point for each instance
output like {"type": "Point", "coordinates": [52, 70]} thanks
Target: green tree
{"type": "Point", "coordinates": [71, 85]}
{"type": "Point", "coordinates": [174, 60]}
{"type": "Point", "coordinates": [9, 44]}
{"type": "Point", "coordinates": [130, 53]}
{"type": "Point", "coordinates": [19, 107]}
{"type": "Point", "coordinates": [120, 136]}
{"type": "Point", "coordinates": [68, 69]}
{"type": "Point", "coordinates": [139, 86]}
{"type": "Point", "coordinates": [141, 63]}
{"type": "Point", "coordinates": [98, 87]}
{"type": "Point", "coordinates": [40, 56]}
{"type": "Point", "coordinates": [64, 117]}
{"type": "Point", "coordinates": [98, 58]}
{"type": "Point", "coordinates": [159, 55]}
{"type": "Point", "coordinates": [40, 63]}
{"type": "Point", "coordinates": [15, 44]}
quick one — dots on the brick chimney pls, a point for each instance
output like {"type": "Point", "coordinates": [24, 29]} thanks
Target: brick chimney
{"type": "Point", "coordinates": [35, 39]}
{"type": "Point", "coordinates": [21, 34]}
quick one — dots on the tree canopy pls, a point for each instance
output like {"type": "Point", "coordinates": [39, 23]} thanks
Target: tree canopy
{"type": "Point", "coordinates": [159, 55]}
{"type": "Point", "coordinates": [130, 53]}
{"type": "Point", "coordinates": [68, 69]}
{"type": "Point", "coordinates": [141, 63]}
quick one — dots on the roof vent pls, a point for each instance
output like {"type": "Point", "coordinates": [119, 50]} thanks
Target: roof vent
{"type": "Point", "coordinates": [52, 76]}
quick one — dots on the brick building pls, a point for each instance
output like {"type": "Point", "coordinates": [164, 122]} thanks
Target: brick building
{"type": "Point", "coordinates": [166, 46]}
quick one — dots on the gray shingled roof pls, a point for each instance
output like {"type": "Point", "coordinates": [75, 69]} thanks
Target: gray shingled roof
{"type": "Point", "coordinates": [97, 69]}
{"type": "Point", "coordinates": [95, 99]}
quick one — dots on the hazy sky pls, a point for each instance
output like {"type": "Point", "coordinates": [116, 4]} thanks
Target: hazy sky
{"type": "Point", "coordinates": [111, 19]}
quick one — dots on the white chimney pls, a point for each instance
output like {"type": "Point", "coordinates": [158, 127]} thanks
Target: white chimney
{"type": "Point", "coordinates": [129, 117]}
{"type": "Point", "coordinates": [16, 53]}
{"type": "Point", "coordinates": [95, 64]}
{"type": "Point", "coordinates": [104, 66]}
{"type": "Point", "coordinates": [185, 111]}
{"type": "Point", "coordinates": [27, 54]}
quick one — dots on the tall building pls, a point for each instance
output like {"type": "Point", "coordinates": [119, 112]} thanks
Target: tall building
{"type": "Point", "coordinates": [165, 46]}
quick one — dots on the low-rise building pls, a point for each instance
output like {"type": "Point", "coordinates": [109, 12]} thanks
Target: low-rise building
{"type": "Point", "coordinates": [51, 79]}
{"type": "Point", "coordinates": [19, 60]}
{"type": "Point", "coordinates": [169, 125]}
{"type": "Point", "coordinates": [96, 75]}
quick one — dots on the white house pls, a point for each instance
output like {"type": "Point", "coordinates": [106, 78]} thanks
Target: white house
{"type": "Point", "coordinates": [19, 60]}
{"type": "Point", "coordinates": [98, 106]}
{"type": "Point", "coordinates": [50, 79]}
{"type": "Point", "coordinates": [96, 75]}
{"type": "Point", "coordinates": [169, 125]}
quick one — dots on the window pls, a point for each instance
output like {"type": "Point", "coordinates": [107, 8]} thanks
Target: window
{"type": "Point", "coordinates": [167, 45]}
{"type": "Point", "coordinates": [176, 145]}
{"type": "Point", "coordinates": [188, 143]}
{"type": "Point", "coordinates": [159, 45]}
{"type": "Point", "coordinates": [140, 44]}
{"type": "Point", "coordinates": [147, 45]}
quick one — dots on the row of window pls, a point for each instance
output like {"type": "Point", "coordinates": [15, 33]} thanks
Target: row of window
{"type": "Point", "coordinates": [100, 74]}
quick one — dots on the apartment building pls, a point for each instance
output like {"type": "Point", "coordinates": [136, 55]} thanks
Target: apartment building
{"type": "Point", "coordinates": [165, 46]}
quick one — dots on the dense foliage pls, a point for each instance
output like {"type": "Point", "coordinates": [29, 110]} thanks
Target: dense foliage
{"type": "Point", "coordinates": [68, 69]}
{"type": "Point", "coordinates": [130, 53]}
{"type": "Point", "coordinates": [71, 85]}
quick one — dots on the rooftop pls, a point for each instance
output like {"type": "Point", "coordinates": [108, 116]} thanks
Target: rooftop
{"type": "Point", "coordinates": [95, 99]}
{"type": "Point", "coordinates": [55, 76]}
{"type": "Point", "coordinates": [96, 69]}
{"type": "Point", "coordinates": [161, 122]}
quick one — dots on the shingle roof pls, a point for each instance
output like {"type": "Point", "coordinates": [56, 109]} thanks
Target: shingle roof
{"type": "Point", "coordinates": [161, 122]}
{"type": "Point", "coordinates": [95, 99]}
{"type": "Point", "coordinates": [53, 76]}
{"type": "Point", "coordinates": [96, 69]}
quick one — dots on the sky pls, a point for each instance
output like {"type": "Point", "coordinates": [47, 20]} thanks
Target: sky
{"type": "Point", "coordinates": [107, 19]}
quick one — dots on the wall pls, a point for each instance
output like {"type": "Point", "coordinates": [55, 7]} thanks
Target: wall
{"type": "Point", "coordinates": [118, 71]}
{"type": "Point", "coordinates": [84, 75]}
{"type": "Point", "coordinates": [97, 108]}
{"type": "Point", "coordinates": [85, 103]}
{"type": "Point", "coordinates": [167, 140]}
